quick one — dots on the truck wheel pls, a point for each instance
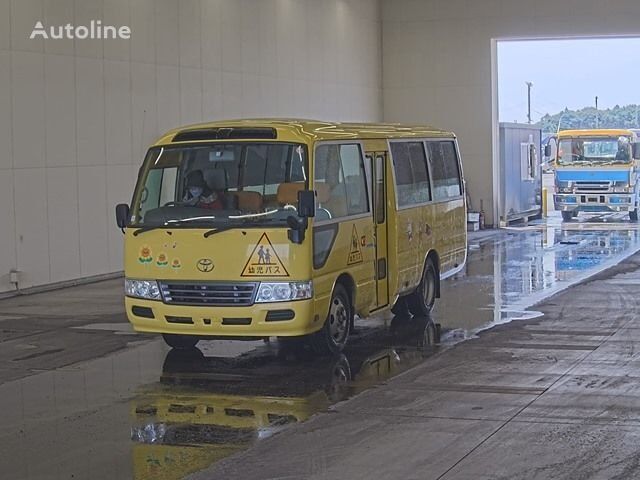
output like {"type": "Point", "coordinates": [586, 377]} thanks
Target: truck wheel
{"type": "Point", "coordinates": [421, 301]}
{"type": "Point", "coordinates": [575, 213]}
{"type": "Point", "coordinates": [633, 215]}
{"type": "Point", "coordinates": [333, 335]}
{"type": "Point", "coordinates": [181, 342]}
{"type": "Point", "coordinates": [567, 216]}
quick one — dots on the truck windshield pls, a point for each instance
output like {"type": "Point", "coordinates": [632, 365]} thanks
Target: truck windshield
{"type": "Point", "coordinates": [586, 151]}
{"type": "Point", "coordinates": [220, 185]}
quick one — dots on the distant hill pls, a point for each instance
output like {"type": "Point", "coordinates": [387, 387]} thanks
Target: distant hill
{"type": "Point", "coordinates": [616, 117]}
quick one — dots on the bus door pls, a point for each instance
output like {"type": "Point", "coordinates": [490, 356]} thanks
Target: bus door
{"type": "Point", "coordinates": [378, 161]}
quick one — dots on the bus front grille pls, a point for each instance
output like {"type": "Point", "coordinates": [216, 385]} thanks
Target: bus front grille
{"type": "Point", "coordinates": [208, 293]}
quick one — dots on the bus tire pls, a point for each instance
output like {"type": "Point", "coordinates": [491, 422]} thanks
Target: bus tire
{"type": "Point", "coordinates": [333, 335]}
{"type": "Point", "coordinates": [633, 215]}
{"type": "Point", "coordinates": [423, 298]}
{"type": "Point", "coordinates": [567, 216]}
{"type": "Point", "coordinates": [180, 342]}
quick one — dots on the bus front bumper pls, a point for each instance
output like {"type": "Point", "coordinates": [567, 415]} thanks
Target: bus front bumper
{"type": "Point", "coordinates": [258, 320]}
{"type": "Point", "coordinates": [594, 202]}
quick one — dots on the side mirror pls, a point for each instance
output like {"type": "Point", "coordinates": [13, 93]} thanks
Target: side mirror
{"type": "Point", "coordinates": [306, 203]}
{"type": "Point", "coordinates": [636, 151]}
{"type": "Point", "coordinates": [547, 150]}
{"type": "Point", "coordinates": [122, 215]}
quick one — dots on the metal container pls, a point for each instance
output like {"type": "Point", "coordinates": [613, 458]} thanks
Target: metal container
{"type": "Point", "coordinates": [520, 172]}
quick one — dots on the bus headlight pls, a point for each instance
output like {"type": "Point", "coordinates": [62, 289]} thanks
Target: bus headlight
{"type": "Point", "coordinates": [142, 289]}
{"type": "Point", "coordinates": [284, 291]}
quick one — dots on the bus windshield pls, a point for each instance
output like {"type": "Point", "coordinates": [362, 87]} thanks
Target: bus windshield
{"type": "Point", "coordinates": [589, 151]}
{"type": "Point", "coordinates": [220, 184]}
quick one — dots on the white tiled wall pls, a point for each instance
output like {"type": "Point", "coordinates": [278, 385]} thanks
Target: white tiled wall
{"type": "Point", "coordinates": [77, 116]}
{"type": "Point", "coordinates": [437, 62]}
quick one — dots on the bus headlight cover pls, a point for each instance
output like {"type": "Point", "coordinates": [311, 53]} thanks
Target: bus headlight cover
{"type": "Point", "coordinates": [142, 289]}
{"type": "Point", "coordinates": [284, 291]}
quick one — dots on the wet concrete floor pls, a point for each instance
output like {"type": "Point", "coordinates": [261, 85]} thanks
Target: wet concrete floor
{"type": "Point", "coordinates": [83, 397]}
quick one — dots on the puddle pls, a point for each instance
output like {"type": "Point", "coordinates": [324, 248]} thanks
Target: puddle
{"type": "Point", "coordinates": [521, 266]}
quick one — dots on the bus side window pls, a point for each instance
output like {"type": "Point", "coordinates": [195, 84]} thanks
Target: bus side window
{"type": "Point", "coordinates": [444, 170]}
{"type": "Point", "coordinates": [341, 169]}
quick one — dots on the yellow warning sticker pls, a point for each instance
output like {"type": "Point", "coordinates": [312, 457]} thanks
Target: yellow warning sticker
{"type": "Point", "coordinates": [355, 252]}
{"type": "Point", "coordinates": [264, 261]}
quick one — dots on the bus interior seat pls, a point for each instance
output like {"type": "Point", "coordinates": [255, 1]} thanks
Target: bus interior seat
{"type": "Point", "coordinates": [249, 201]}
{"type": "Point", "coordinates": [288, 193]}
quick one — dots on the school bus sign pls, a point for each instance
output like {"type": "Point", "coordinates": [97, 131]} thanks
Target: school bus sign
{"type": "Point", "coordinates": [264, 261]}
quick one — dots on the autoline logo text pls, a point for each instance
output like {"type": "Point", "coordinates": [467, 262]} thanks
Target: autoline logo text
{"type": "Point", "coordinates": [94, 31]}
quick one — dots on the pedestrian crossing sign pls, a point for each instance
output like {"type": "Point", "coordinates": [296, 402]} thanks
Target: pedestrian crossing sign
{"type": "Point", "coordinates": [264, 261]}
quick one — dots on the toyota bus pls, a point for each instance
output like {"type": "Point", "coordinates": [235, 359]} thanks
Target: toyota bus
{"type": "Point", "coordinates": [253, 229]}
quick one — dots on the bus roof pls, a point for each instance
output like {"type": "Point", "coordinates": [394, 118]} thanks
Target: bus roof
{"type": "Point", "coordinates": [596, 132]}
{"type": "Point", "coordinates": [295, 130]}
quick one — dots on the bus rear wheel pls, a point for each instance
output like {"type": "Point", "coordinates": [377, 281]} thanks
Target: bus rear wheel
{"type": "Point", "coordinates": [422, 300]}
{"type": "Point", "coordinates": [567, 216]}
{"type": "Point", "coordinates": [333, 335]}
{"type": "Point", "coordinates": [633, 215]}
{"type": "Point", "coordinates": [180, 342]}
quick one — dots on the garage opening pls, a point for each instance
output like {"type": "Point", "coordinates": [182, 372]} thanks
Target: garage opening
{"type": "Point", "coordinates": [545, 86]}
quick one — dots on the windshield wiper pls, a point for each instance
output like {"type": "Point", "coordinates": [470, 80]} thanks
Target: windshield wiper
{"type": "Point", "coordinates": [170, 223]}
{"type": "Point", "coordinates": [247, 222]}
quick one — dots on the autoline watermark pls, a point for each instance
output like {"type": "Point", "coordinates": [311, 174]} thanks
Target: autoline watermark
{"type": "Point", "coordinates": [94, 31]}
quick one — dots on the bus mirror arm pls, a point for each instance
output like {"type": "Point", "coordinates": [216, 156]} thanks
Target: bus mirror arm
{"type": "Point", "coordinates": [297, 228]}
{"type": "Point", "coordinates": [122, 215]}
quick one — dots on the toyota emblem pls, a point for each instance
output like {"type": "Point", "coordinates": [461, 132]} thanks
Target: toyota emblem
{"type": "Point", "coordinates": [205, 265]}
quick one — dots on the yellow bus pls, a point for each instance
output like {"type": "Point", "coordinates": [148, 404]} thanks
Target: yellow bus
{"type": "Point", "coordinates": [288, 228]}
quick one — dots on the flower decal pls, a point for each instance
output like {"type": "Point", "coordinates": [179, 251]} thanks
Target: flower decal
{"type": "Point", "coordinates": [175, 263]}
{"type": "Point", "coordinates": [145, 255]}
{"type": "Point", "coordinates": [162, 260]}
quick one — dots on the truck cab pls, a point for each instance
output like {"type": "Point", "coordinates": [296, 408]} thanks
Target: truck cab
{"type": "Point", "coordinates": [596, 171]}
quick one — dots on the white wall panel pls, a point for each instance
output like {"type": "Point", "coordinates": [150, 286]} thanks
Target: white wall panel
{"type": "Point", "coordinates": [167, 36]}
{"type": "Point", "coordinates": [79, 115]}
{"type": "Point", "coordinates": [24, 15]}
{"type": "Point", "coordinates": [190, 95]}
{"type": "Point", "coordinates": [90, 105]}
{"type": "Point", "coordinates": [143, 46]}
{"type": "Point", "coordinates": [62, 212]}
{"type": "Point", "coordinates": [6, 159]}
{"type": "Point", "coordinates": [117, 81]}
{"type": "Point", "coordinates": [168, 96]}
{"type": "Point", "coordinates": [7, 233]}
{"type": "Point", "coordinates": [92, 208]}
{"type": "Point", "coordinates": [59, 12]}
{"type": "Point", "coordinates": [32, 235]}
{"type": "Point", "coordinates": [27, 82]}
{"type": "Point", "coordinates": [189, 32]}
{"type": "Point", "coordinates": [117, 13]}
{"type": "Point", "coordinates": [60, 110]}
{"type": "Point", "coordinates": [120, 185]}
{"type": "Point", "coordinates": [85, 12]}
{"type": "Point", "coordinates": [5, 24]}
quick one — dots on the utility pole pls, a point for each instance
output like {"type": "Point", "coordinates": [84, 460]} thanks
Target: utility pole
{"type": "Point", "coordinates": [597, 119]}
{"type": "Point", "coordinates": [529, 85]}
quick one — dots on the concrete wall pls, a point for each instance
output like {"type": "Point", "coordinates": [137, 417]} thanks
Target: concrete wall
{"type": "Point", "coordinates": [76, 116]}
{"type": "Point", "coordinates": [437, 62]}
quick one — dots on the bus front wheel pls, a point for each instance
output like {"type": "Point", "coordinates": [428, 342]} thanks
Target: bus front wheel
{"type": "Point", "coordinates": [421, 301]}
{"type": "Point", "coordinates": [180, 342]}
{"type": "Point", "coordinates": [567, 216]}
{"type": "Point", "coordinates": [333, 335]}
{"type": "Point", "coordinates": [633, 215]}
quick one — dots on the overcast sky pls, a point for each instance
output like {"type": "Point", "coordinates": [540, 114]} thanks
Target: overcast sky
{"type": "Point", "coordinates": [566, 73]}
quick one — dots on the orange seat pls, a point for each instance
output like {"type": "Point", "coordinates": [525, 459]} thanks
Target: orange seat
{"type": "Point", "coordinates": [288, 193]}
{"type": "Point", "coordinates": [249, 201]}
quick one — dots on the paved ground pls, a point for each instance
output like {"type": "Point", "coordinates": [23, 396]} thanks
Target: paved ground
{"type": "Point", "coordinates": [82, 396]}
{"type": "Point", "coordinates": [556, 397]}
